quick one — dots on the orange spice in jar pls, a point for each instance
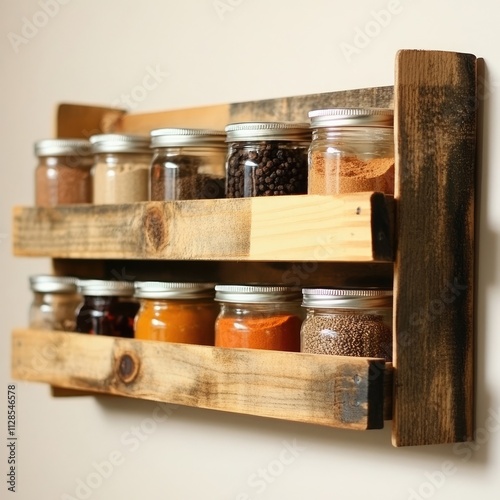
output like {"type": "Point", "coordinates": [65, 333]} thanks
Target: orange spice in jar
{"type": "Point", "coordinates": [258, 317]}
{"type": "Point", "coordinates": [352, 150]}
{"type": "Point", "coordinates": [176, 312]}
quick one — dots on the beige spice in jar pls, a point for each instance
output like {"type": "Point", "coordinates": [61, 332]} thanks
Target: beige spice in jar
{"type": "Point", "coordinates": [349, 174]}
{"type": "Point", "coordinates": [121, 183]}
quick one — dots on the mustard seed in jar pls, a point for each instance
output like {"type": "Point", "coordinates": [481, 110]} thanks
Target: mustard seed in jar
{"type": "Point", "coordinates": [344, 322]}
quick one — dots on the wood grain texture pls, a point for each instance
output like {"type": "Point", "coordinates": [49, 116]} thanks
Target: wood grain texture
{"type": "Point", "coordinates": [435, 127]}
{"type": "Point", "coordinates": [294, 108]}
{"type": "Point", "coordinates": [81, 121]}
{"type": "Point", "coordinates": [333, 391]}
{"type": "Point", "coordinates": [286, 228]}
{"type": "Point", "coordinates": [303, 273]}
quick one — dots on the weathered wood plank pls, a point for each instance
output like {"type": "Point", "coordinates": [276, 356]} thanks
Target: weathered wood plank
{"type": "Point", "coordinates": [333, 391]}
{"type": "Point", "coordinates": [303, 273]}
{"type": "Point", "coordinates": [320, 228]}
{"type": "Point", "coordinates": [294, 108]}
{"type": "Point", "coordinates": [435, 127]}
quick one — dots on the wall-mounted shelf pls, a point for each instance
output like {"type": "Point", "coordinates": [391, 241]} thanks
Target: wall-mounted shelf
{"type": "Point", "coordinates": [334, 391]}
{"type": "Point", "coordinates": [421, 241]}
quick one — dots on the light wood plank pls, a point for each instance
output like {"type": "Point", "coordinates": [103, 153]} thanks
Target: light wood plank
{"type": "Point", "coordinates": [435, 126]}
{"type": "Point", "coordinates": [82, 121]}
{"type": "Point", "coordinates": [353, 227]}
{"type": "Point", "coordinates": [333, 391]}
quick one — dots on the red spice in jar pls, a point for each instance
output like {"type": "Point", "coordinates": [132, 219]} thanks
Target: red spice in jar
{"type": "Point", "coordinates": [278, 333]}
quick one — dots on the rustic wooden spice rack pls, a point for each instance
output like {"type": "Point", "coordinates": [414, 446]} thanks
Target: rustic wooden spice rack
{"type": "Point", "coordinates": [422, 242]}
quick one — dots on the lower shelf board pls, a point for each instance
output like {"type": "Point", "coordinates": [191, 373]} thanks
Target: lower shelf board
{"type": "Point", "coordinates": [335, 391]}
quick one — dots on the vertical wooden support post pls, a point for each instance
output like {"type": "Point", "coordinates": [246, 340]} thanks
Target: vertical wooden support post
{"type": "Point", "coordinates": [435, 128]}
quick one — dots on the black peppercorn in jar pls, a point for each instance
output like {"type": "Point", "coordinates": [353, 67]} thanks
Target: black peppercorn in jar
{"type": "Point", "coordinates": [108, 308]}
{"type": "Point", "coordinates": [266, 159]}
{"type": "Point", "coordinates": [188, 164]}
{"type": "Point", "coordinates": [345, 322]}
{"type": "Point", "coordinates": [63, 175]}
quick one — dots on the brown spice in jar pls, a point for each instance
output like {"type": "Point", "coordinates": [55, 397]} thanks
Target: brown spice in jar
{"type": "Point", "coordinates": [64, 185]}
{"type": "Point", "coordinates": [350, 174]}
{"type": "Point", "coordinates": [363, 335]}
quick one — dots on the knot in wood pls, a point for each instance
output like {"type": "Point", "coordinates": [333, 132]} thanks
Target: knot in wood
{"type": "Point", "coordinates": [155, 227]}
{"type": "Point", "coordinates": [127, 368]}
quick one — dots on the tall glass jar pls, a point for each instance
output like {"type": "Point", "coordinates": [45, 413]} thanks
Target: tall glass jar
{"type": "Point", "coordinates": [121, 169]}
{"type": "Point", "coordinates": [176, 312]}
{"type": "Point", "coordinates": [346, 322]}
{"type": "Point", "coordinates": [258, 317]}
{"type": "Point", "coordinates": [63, 173]}
{"type": "Point", "coordinates": [352, 150]}
{"type": "Point", "coordinates": [108, 308]}
{"type": "Point", "coordinates": [188, 164]}
{"type": "Point", "coordinates": [267, 159]}
{"type": "Point", "coordinates": [55, 302]}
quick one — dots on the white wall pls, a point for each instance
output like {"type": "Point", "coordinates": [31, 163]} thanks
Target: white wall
{"type": "Point", "coordinates": [93, 51]}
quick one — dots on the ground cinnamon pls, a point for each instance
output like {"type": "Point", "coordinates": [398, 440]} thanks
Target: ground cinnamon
{"type": "Point", "coordinates": [349, 174]}
{"type": "Point", "coordinates": [278, 333]}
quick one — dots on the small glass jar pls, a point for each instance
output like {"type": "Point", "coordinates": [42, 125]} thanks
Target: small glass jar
{"type": "Point", "coordinates": [55, 302]}
{"type": "Point", "coordinates": [267, 159]}
{"type": "Point", "coordinates": [108, 308]}
{"type": "Point", "coordinates": [258, 317]}
{"type": "Point", "coordinates": [188, 164]}
{"type": "Point", "coordinates": [121, 168]}
{"type": "Point", "coordinates": [63, 173]}
{"type": "Point", "coordinates": [176, 312]}
{"type": "Point", "coordinates": [346, 322]}
{"type": "Point", "coordinates": [352, 150]}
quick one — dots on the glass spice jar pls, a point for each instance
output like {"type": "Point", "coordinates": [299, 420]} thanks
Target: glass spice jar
{"type": "Point", "coordinates": [176, 312]}
{"type": "Point", "coordinates": [258, 317]}
{"type": "Point", "coordinates": [55, 302]}
{"type": "Point", "coordinates": [346, 322]}
{"type": "Point", "coordinates": [63, 173]}
{"type": "Point", "coordinates": [108, 308]}
{"type": "Point", "coordinates": [266, 159]}
{"type": "Point", "coordinates": [188, 164]}
{"type": "Point", "coordinates": [352, 150]}
{"type": "Point", "coordinates": [121, 168]}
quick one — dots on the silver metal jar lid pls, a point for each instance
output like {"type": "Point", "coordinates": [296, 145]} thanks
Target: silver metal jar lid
{"type": "Point", "coordinates": [63, 147]}
{"type": "Point", "coordinates": [104, 288]}
{"type": "Point", "coordinates": [166, 290]}
{"type": "Point", "coordinates": [178, 137]}
{"type": "Point", "coordinates": [256, 294]}
{"type": "Point", "coordinates": [46, 283]}
{"type": "Point", "coordinates": [352, 117]}
{"type": "Point", "coordinates": [120, 143]}
{"type": "Point", "coordinates": [284, 131]}
{"type": "Point", "coordinates": [346, 298]}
